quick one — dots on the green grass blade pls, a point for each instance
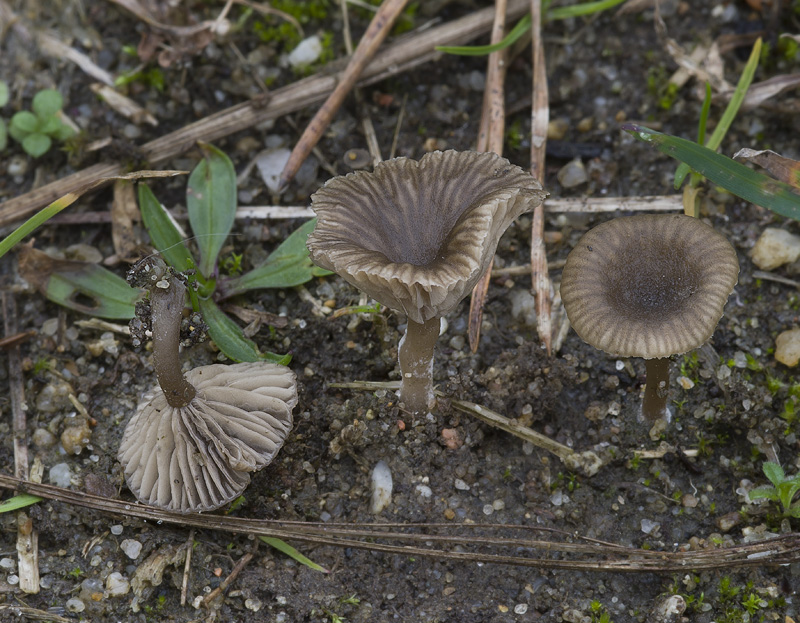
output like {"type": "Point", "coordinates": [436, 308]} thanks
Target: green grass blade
{"type": "Point", "coordinates": [482, 50]}
{"type": "Point", "coordinates": [211, 202]}
{"type": "Point", "coordinates": [580, 10]}
{"type": "Point", "coordinates": [18, 501]}
{"type": "Point", "coordinates": [283, 546]}
{"type": "Point", "coordinates": [228, 336]}
{"type": "Point", "coordinates": [287, 266]}
{"type": "Point", "coordinates": [701, 126]}
{"type": "Point", "coordinates": [743, 182]}
{"type": "Point", "coordinates": [163, 233]}
{"type": "Point", "coordinates": [731, 110]}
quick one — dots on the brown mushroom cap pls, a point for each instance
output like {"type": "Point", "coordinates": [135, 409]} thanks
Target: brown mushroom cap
{"type": "Point", "coordinates": [417, 235]}
{"type": "Point", "coordinates": [649, 285]}
{"type": "Point", "coordinates": [197, 458]}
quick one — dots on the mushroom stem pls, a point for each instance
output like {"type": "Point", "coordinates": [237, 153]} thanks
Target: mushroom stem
{"type": "Point", "coordinates": [415, 354]}
{"type": "Point", "coordinates": [656, 389]}
{"type": "Point", "coordinates": [166, 305]}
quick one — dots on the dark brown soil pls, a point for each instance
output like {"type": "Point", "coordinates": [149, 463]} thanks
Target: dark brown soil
{"type": "Point", "coordinates": [600, 71]}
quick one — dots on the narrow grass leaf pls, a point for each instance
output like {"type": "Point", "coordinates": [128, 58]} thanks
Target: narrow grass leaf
{"type": "Point", "coordinates": [228, 336]}
{"type": "Point", "coordinates": [163, 234]}
{"type": "Point", "coordinates": [18, 501]}
{"type": "Point", "coordinates": [283, 546]}
{"type": "Point", "coordinates": [287, 266]}
{"type": "Point", "coordinates": [482, 50]}
{"type": "Point", "coordinates": [211, 202]}
{"type": "Point", "coordinates": [580, 10]}
{"type": "Point", "coordinates": [731, 110]}
{"type": "Point", "coordinates": [743, 182]}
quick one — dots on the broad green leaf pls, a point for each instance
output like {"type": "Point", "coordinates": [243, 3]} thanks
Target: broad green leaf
{"type": "Point", "coordinates": [64, 132]}
{"type": "Point", "coordinates": [36, 144]}
{"type": "Point", "coordinates": [211, 201]}
{"type": "Point", "coordinates": [794, 511]}
{"type": "Point", "coordinates": [229, 338]}
{"type": "Point", "coordinates": [94, 291]}
{"type": "Point", "coordinates": [730, 111]}
{"type": "Point", "coordinates": [761, 493]}
{"type": "Point", "coordinates": [18, 501]}
{"type": "Point", "coordinates": [4, 93]}
{"type": "Point", "coordinates": [283, 546]}
{"type": "Point", "coordinates": [287, 266]}
{"type": "Point", "coordinates": [774, 472]}
{"type": "Point", "coordinates": [732, 176]}
{"type": "Point", "coordinates": [47, 102]}
{"type": "Point", "coordinates": [22, 123]}
{"type": "Point", "coordinates": [49, 125]}
{"type": "Point", "coordinates": [163, 234]}
{"type": "Point", "coordinates": [43, 215]}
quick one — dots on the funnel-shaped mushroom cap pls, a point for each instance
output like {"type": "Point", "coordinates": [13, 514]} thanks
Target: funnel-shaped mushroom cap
{"type": "Point", "coordinates": [417, 235]}
{"type": "Point", "coordinates": [197, 458]}
{"type": "Point", "coordinates": [648, 286]}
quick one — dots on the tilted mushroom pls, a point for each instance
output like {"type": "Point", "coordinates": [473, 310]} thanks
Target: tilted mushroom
{"type": "Point", "coordinates": [649, 286]}
{"type": "Point", "coordinates": [194, 439]}
{"type": "Point", "coordinates": [416, 236]}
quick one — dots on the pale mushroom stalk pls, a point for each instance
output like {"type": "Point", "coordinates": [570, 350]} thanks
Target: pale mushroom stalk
{"type": "Point", "coordinates": [656, 389]}
{"type": "Point", "coordinates": [166, 304]}
{"type": "Point", "coordinates": [415, 355]}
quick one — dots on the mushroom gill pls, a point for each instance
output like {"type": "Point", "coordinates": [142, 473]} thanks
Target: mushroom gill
{"type": "Point", "coordinates": [416, 236]}
{"type": "Point", "coordinates": [649, 286]}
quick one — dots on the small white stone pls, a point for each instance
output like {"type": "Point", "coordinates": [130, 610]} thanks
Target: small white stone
{"type": "Point", "coordinates": [7, 563]}
{"type": "Point", "coordinates": [424, 491]}
{"type": "Point", "coordinates": [523, 307]}
{"type": "Point", "coordinates": [60, 475]}
{"type": "Point", "coordinates": [558, 498]}
{"type": "Point", "coordinates": [132, 548]}
{"type": "Point", "coordinates": [461, 485]}
{"type": "Point", "coordinates": [253, 604]}
{"type": "Point", "coordinates": [775, 247]}
{"type": "Point", "coordinates": [75, 605]}
{"type": "Point", "coordinates": [13, 579]}
{"type": "Point", "coordinates": [572, 174]}
{"type": "Point", "coordinates": [649, 526]}
{"type": "Point", "coordinates": [488, 509]}
{"type": "Point", "coordinates": [116, 529]}
{"type": "Point", "coordinates": [306, 52]}
{"type": "Point", "coordinates": [520, 608]}
{"type": "Point", "coordinates": [787, 347]}
{"type": "Point", "coordinates": [117, 584]}
{"type": "Point", "coordinates": [270, 165]}
{"type": "Point", "coordinates": [381, 487]}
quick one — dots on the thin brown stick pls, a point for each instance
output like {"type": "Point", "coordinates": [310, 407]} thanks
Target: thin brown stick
{"type": "Point", "coordinates": [27, 536]}
{"type": "Point", "coordinates": [187, 565]}
{"type": "Point", "coordinates": [401, 56]}
{"type": "Point", "coordinates": [540, 117]}
{"type": "Point", "coordinates": [223, 586]}
{"type": "Point", "coordinates": [376, 32]}
{"type": "Point", "coordinates": [490, 138]}
{"type": "Point", "coordinates": [784, 549]}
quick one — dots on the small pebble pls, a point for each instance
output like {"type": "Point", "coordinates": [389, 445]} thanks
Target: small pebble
{"type": "Point", "coordinates": [729, 521]}
{"type": "Point", "coordinates": [75, 605]}
{"type": "Point", "coordinates": [461, 485]}
{"type": "Point", "coordinates": [306, 52]}
{"type": "Point", "coordinates": [381, 487]}
{"type": "Point", "coordinates": [43, 438]}
{"type": "Point", "coordinates": [649, 526]}
{"type": "Point", "coordinates": [424, 491]}
{"type": "Point", "coordinates": [7, 563]}
{"type": "Point", "coordinates": [117, 584]}
{"type": "Point", "coordinates": [520, 608]}
{"type": "Point", "coordinates": [132, 548]}
{"type": "Point", "coordinates": [270, 165]}
{"type": "Point", "coordinates": [75, 438]}
{"type": "Point", "coordinates": [60, 475]}
{"type": "Point", "coordinates": [787, 347]}
{"type": "Point", "coordinates": [116, 529]}
{"type": "Point", "coordinates": [557, 129]}
{"type": "Point", "coordinates": [13, 579]}
{"type": "Point", "coordinates": [775, 247]}
{"type": "Point", "coordinates": [572, 174]}
{"type": "Point", "coordinates": [18, 165]}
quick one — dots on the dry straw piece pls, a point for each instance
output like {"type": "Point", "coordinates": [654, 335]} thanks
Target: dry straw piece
{"type": "Point", "coordinates": [649, 286]}
{"type": "Point", "coordinates": [416, 236]}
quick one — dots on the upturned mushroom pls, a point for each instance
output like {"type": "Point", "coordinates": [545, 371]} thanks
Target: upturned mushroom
{"type": "Point", "coordinates": [194, 439]}
{"type": "Point", "coordinates": [416, 236]}
{"type": "Point", "coordinates": [649, 286]}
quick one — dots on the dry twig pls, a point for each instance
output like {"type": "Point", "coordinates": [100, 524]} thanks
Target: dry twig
{"type": "Point", "coordinates": [376, 32]}
{"type": "Point", "coordinates": [490, 138]}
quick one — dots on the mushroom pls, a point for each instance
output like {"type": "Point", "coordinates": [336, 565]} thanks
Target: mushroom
{"type": "Point", "coordinates": [649, 286]}
{"type": "Point", "coordinates": [416, 236]}
{"type": "Point", "coordinates": [194, 439]}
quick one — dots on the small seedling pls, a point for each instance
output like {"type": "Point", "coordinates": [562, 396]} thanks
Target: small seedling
{"type": "Point", "coordinates": [36, 130]}
{"type": "Point", "coordinates": [783, 489]}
